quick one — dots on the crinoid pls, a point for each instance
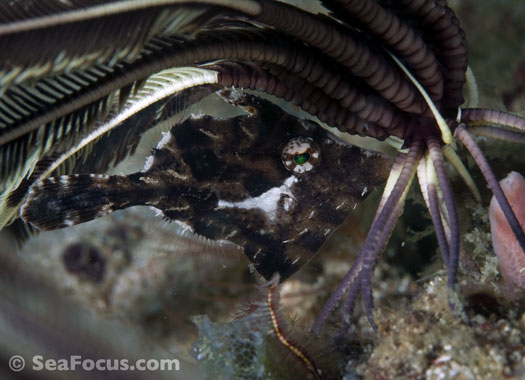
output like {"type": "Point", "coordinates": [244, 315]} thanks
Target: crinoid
{"type": "Point", "coordinates": [375, 68]}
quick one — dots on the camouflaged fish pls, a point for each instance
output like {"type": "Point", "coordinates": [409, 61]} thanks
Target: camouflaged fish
{"type": "Point", "coordinates": [275, 185]}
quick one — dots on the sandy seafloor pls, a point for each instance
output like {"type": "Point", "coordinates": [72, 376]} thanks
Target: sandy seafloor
{"type": "Point", "coordinates": [137, 299]}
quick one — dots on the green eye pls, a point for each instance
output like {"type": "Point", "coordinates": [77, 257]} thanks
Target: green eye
{"type": "Point", "coordinates": [300, 159]}
{"type": "Point", "coordinates": [301, 155]}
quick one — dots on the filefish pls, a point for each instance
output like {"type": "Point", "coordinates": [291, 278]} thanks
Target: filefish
{"type": "Point", "coordinates": [269, 182]}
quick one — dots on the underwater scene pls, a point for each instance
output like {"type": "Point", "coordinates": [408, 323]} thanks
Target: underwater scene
{"type": "Point", "coordinates": [262, 189]}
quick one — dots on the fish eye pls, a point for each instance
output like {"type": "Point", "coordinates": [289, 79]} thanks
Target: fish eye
{"type": "Point", "coordinates": [301, 155]}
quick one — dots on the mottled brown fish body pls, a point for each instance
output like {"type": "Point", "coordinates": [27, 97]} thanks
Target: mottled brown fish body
{"type": "Point", "coordinates": [275, 185]}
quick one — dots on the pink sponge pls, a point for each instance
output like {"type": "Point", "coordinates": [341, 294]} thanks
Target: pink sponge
{"type": "Point", "coordinates": [510, 255]}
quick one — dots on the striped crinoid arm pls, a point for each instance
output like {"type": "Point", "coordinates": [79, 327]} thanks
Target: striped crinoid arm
{"type": "Point", "coordinates": [359, 277]}
{"type": "Point", "coordinates": [487, 117]}
{"type": "Point", "coordinates": [439, 198]}
{"type": "Point", "coordinates": [64, 36]}
{"type": "Point", "coordinates": [298, 91]}
{"type": "Point", "coordinates": [496, 124]}
{"type": "Point", "coordinates": [499, 125]}
{"type": "Point", "coordinates": [399, 37]}
{"type": "Point", "coordinates": [443, 185]}
{"type": "Point", "coordinates": [481, 161]}
{"type": "Point", "coordinates": [347, 48]}
{"type": "Point", "coordinates": [428, 183]}
{"type": "Point", "coordinates": [395, 197]}
{"type": "Point", "coordinates": [498, 133]}
{"type": "Point", "coordinates": [281, 332]}
{"type": "Point", "coordinates": [265, 341]}
{"type": "Point", "coordinates": [439, 26]}
{"type": "Point", "coordinates": [346, 102]}
{"type": "Point", "coordinates": [407, 34]}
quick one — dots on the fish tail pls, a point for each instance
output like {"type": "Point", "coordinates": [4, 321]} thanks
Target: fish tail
{"type": "Point", "coordinates": [64, 201]}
